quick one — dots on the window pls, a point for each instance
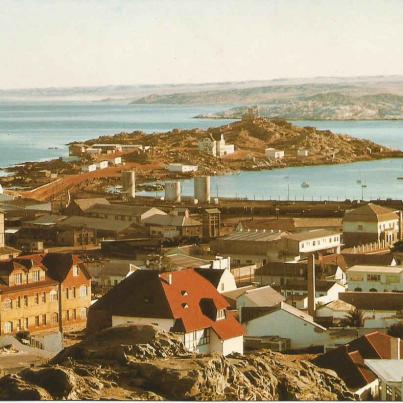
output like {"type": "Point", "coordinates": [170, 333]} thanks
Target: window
{"type": "Point", "coordinates": [67, 315]}
{"type": "Point", "coordinates": [43, 319]}
{"type": "Point", "coordinates": [44, 297]}
{"type": "Point", "coordinates": [18, 278]}
{"type": "Point", "coordinates": [19, 325]}
{"type": "Point", "coordinates": [7, 304]}
{"type": "Point", "coordinates": [222, 286]}
{"type": "Point", "coordinates": [357, 289]}
{"type": "Point", "coordinates": [220, 314]}
{"type": "Point", "coordinates": [75, 271]}
{"type": "Point", "coordinates": [36, 298]}
{"type": "Point", "coordinates": [19, 302]}
{"type": "Point", "coordinates": [36, 275]}
{"type": "Point", "coordinates": [8, 327]}
{"type": "Point", "coordinates": [313, 243]}
{"type": "Point", "coordinates": [25, 300]}
{"type": "Point", "coordinates": [53, 295]}
{"type": "Point", "coordinates": [74, 313]}
{"type": "Point", "coordinates": [37, 323]}
{"type": "Point", "coordinates": [205, 339]}
{"type": "Point", "coordinates": [302, 245]}
{"type": "Point", "coordinates": [26, 323]}
{"type": "Point", "coordinates": [83, 291]}
{"type": "Point", "coordinates": [374, 277]}
{"type": "Point", "coordinates": [74, 292]}
{"type": "Point", "coordinates": [55, 317]}
{"type": "Point", "coordinates": [373, 290]}
{"type": "Point", "coordinates": [67, 293]}
{"type": "Point", "coordinates": [360, 227]}
{"type": "Point", "coordinates": [83, 313]}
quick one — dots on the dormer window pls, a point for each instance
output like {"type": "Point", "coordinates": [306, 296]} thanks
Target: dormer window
{"type": "Point", "coordinates": [185, 306]}
{"type": "Point", "coordinates": [184, 293]}
{"type": "Point", "coordinates": [221, 314]}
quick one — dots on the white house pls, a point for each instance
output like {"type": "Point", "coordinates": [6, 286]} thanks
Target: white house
{"type": "Point", "coordinates": [183, 302]}
{"type": "Point", "coordinates": [222, 280]}
{"type": "Point", "coordinates": [375, 278]}
{"type": "Point", "coordinates": [89, 168]}
{"type": "Point", "coordinates": [302, 152]}
{"type": "Point", "coordinates": [273, 154]}
{"type": "Point", "coordinates": [102, 164]}
{"type": "Point", "coordinates": [284, 321]}
{"type": "Point", "coordinates": [216, 148]}
{"type": "Point", "coordinates": [370, 223]}
{"type": "Point", "coordinates": [182, 168]}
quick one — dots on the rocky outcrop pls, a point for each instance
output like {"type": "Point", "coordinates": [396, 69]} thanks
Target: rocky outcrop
{"type": "Point", "coordinates": [142, 362]}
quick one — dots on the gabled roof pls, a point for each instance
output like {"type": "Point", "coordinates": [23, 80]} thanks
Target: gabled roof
{"type": "Point", "coordinates": [348, 360]}
{"type": "Point", "coordinates": [100, 224]}
{"type": "Point", "coordinates": [8, 250]}
{"type": "Point", "coordinates": [375, 259]}
{"type": "Point", "coordinates": [170, 220]}
{"type": "Point", "coordinates": [312, 234]}
{"type": "Point", "coordinates": [212, 275]}
{"type": "Point", "coordinates": [183, 261]}
{"type": "Point", "coordinates": [264, 296]}
{"type": "Point", "coordinates": [302, 285]}
{"type": "Point", "coordinates": [85, 204]}
{"type": "Point", "coordinates": [252, 313]}
{"type": "Point", "coordinates": [59, 265]}
{"type": "Point", "coordinates": [176, 295]}
{"type": "Point", "coordinates": [377, 301]}
{"type": "Point", "coordinates": [370, 213]}
{"type": "Point", "coordinates": [125, 209]}
{"type": "Point", "coordinates": [283, 269]}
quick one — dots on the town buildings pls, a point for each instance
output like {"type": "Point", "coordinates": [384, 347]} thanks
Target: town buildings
{"type": "Point", "coordinates": [41, 293]}
{"type": "Point", "coordinates": [183, 302]}
{"type": "Point", "coordinates": [371, 223]}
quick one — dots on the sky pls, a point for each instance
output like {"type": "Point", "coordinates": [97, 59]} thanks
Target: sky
{"type": "Point", "coordinates": [64, 43]}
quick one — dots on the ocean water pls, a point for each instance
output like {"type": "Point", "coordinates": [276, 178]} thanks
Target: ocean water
{"type": "Point", "coordinates": [27, 131]}
{"type": "Point", "coordinates": [40, 131]}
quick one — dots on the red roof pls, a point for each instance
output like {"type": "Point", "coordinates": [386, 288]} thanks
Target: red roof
{"type": "Point", "coordinates": [185, 296]}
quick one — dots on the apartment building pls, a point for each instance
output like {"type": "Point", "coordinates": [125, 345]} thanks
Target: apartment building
{"type": "Point", "coordinates": [375, 278]}
{"type": "Point", "coordinates": [43, 293]}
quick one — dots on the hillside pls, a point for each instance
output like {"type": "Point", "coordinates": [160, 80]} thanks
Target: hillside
{"type": "Point", "coordinates": [326, 106]}
{"type": "Point", "coordinates": [251, 137]}
{"type": "Point", "coordinates": [143, 363]}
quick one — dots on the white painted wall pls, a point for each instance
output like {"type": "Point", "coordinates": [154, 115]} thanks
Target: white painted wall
{"type": "Point", "coordinates": [283, 324]}
{"type": "Point", "coordinates": [234, 345]}
{"type": "Point", "coordinates": [227, 282]}
{"type": "Point", "coordinates": [320, 243]}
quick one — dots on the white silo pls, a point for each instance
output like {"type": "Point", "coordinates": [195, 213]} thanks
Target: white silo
{"type": "Point", "coordinates": [202, 189]}
{"type": "Point", "coordinates": [173, 191]}
{"type": "Point", "coordinates": [129, 184]}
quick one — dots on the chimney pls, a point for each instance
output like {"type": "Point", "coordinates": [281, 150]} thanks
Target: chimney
{"type": "Point", "coordinates": [395, 348]}
{"type": "Point", "coordinates": [311, 285]}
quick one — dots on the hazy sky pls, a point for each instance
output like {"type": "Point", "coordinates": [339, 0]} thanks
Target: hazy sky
{"type": "Point", "coordinates": [47, 43]}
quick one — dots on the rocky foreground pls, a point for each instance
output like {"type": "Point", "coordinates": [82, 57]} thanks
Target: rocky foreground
{"type": "Point", "coordinates": [143, 363]}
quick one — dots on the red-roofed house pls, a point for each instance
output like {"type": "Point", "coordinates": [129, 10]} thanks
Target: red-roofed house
{"type": "Point", "coordinates": [183, 302]}
{"type": "Point", "coordinates": [348, 361]}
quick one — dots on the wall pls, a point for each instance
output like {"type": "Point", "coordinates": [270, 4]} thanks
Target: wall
{"type": "Point", "coordinates": [283, 324]}
{"type": "Point", "coordinates": [233, 345]}
{"type": "Point", "coordinates": [1, 230]}
{"type": "Point", "coordinates": [227, 282]}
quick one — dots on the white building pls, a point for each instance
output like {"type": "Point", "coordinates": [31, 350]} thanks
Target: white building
{"type": "Point", "coordinates": [274, 154]}
{"type": "Point", "coordinates": [370, 223]}
{"type": "Point", "coordinates": [216, 148]}
{"type": "Point", "coordinates": [182, 168]}
{"type": "Point", "coordinates": [286, 322]}
{"type": "Point", "coordinates": [183, 302]}
{"type": "Point", "coordinates": [102, 164]}
{"type": "Point", "coordinates": [302, 152]}
{"type": "Point", "coordinates": [222, 280]}
{"type": "Point", "coordinates": [375, 278]}
{"type": "Point", "coordinates": [390, 375]}
{"type": "Point", "coordinates": [89, 168]}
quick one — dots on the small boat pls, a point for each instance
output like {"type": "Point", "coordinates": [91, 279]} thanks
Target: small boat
{"type": "Point", "coordinates": [305, 185]}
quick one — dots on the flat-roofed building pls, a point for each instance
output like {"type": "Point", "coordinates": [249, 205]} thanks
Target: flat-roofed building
{"type": "Point", "coordinates": [375, 278]}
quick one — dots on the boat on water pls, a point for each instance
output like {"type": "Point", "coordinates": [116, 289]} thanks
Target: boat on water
{"type": "Point", "coordinates": [305, 185]}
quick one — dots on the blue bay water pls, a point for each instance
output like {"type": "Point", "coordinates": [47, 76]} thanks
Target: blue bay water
{"type": "Point", "coordinates": [28, 130]}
